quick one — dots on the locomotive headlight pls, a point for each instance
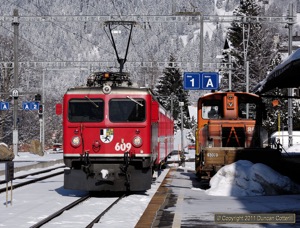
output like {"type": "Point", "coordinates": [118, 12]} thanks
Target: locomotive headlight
{"type": "Point", "coordinates": [137, 141]}
{"type": "Point", "coordinates": [106, 89]}
{"type": "Point", "coordinates": [75, 141]}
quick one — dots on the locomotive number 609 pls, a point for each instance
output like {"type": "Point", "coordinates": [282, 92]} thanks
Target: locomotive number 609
{"type": "Point", "coordinates": [123, 147]}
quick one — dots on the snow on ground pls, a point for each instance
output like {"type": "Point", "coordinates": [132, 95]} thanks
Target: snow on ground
{"type": "Point", "coordinates": [27, 159]}
{"type": "Point", "coordinates": [293, 150]}
{"type": "Point", "coordinates": [49, 155]}
{"type": "Point", "coordinates": [242, 186]}
{"type": "Point", "coordinates": [243, 178]}
{"type": "Point", "coordinates": [195, 206]}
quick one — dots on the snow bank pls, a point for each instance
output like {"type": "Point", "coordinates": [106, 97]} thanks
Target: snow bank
{"type": "Point", "coordinates": [293, 150]}
{"type": "Point", "coordinates": [6, 154]}
{"type": "Point", "coordinates": [243, 178]}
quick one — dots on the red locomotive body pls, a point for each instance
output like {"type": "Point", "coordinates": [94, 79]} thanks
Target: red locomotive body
{"type": "Point", "coordinates": [112, 136]}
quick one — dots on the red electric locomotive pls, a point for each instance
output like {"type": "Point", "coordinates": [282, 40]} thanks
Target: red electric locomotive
{"type": "Point", "coordinates": [114, 136]}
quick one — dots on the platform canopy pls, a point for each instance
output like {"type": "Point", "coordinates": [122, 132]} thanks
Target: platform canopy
{"type": "Point", "coordinates": [285, 75]}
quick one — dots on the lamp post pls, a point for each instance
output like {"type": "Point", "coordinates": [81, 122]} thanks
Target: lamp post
{"type": "Point", "coordinates": [15, 92]}
{"type": "Point", "coordinates": [181, 104]}
{"type": "Point", "coordinates": [290, 90]}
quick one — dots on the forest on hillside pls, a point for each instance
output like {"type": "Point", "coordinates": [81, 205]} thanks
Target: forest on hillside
{"type": "Point", "coordinates": [62, 41]}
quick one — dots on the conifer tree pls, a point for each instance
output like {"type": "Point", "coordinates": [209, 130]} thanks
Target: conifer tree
{"type": "Point", "coordinates": [170, 87]}
{"type": "Point", "coordinates": [262, 54]}
{"type": "Point", "coordinates": [252, 41]}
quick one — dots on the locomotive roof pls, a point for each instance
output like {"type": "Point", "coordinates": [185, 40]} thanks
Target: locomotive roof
{"type": "Point", "coordinates": [222, 93]}
{"type": "Point", "coordinates": [114, 90]}
{"type": "Point", "coordinates": [242, 95]}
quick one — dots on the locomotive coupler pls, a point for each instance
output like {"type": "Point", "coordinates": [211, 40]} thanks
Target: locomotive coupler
{"type": "Point", "coordinates": [124, 169]}
{"type": "Point", "coordinates": [86, 164]}
{"type": "Point", "coordinates": [279, 145]}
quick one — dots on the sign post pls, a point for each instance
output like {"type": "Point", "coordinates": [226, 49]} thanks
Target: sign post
{"type": "Point", "coordinates": [9, 176]}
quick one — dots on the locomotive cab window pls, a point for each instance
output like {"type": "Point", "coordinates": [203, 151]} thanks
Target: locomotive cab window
{"type": "Point", "coordinates": [211, 111]}
{"type": "Point", "coordinates": [251, 110]}
{"type": "Point", "coordinates": [127, 110]}
{"type": "Point", "coordinates": [86, 110]}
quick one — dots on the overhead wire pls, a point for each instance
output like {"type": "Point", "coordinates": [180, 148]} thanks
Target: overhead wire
{"type": "Point", "coordinates": [131, 41]}
{"type": "Point", "coordinates": [67, 29]}
{"type": "Point", "coordinates": [70, 31]}
{"type": "Point", "coordinates": [119, 14]}
{"type": "Point", "coordinates": [57, 57]}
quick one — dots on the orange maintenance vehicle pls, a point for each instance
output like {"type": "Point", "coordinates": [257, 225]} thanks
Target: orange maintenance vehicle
{"type": "Point", "coordinates": [230, 129]}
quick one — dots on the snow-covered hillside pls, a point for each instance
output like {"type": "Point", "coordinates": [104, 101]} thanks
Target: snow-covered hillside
{"type": "Point", "coordinates": [70, 38]}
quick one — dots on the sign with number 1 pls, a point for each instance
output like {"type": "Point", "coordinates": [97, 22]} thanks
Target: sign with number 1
{"type": "Point", "coordinates": [201, 81]}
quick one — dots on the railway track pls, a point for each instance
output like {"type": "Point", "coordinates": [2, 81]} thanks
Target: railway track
{"type": "Point", "coordinates": [177, 192]}
{"type": "Point", "coordinates": [34, 179]}
{"type": "Point", "coordinates": [97, 219]}
{"type": "Point", "coordinates": [78, 202]}
{"type": "Point", "coordinates": [34, 173]}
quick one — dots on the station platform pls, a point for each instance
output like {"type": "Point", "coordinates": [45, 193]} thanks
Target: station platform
{"type": "Point", "coordinates": [25, 161]}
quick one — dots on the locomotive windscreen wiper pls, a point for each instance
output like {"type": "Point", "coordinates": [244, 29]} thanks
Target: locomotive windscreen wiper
{"type": "Point", "coordinates": [130, 98]}
{"type": "Point", "coordinates": [92, 102]}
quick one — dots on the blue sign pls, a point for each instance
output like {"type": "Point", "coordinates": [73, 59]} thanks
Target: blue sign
{"type": "Point", "coordinates": [35, 105]}
{"type": "Point", "coordinates": [30, 105]}
{"type": "Point", "coordinates": [4, 105]}
{"type": "Point", "coordinates": [210, 80]}
{"type": "Point", "coordinates": [26, 105]}
{"type": "Point", "coordinates": [201, 81]}
{"type": "Point", "coordinates": [191, 81]}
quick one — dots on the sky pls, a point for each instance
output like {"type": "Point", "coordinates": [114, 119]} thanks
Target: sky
{"type": "Point", "coordinates": [236, 185]}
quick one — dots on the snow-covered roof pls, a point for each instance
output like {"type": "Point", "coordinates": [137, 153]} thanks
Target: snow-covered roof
{"type": "Point", "coordinates": [285, 75]}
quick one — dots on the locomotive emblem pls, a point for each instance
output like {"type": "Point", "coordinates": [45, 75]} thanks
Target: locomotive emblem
{"type": "Point", "coordinates": [106, 135]}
